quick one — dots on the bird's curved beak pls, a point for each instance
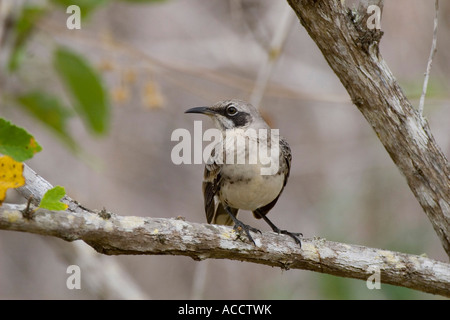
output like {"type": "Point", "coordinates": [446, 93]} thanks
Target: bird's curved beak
{"type": "Point", "coordinates": [202, 110]}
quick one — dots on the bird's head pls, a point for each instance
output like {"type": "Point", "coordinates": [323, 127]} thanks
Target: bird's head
{"type": "Point", "coordinates": [231, 114]}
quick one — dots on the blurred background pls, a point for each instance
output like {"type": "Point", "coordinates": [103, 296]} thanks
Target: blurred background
{"type": "Point", "coordinates": [157, 59]}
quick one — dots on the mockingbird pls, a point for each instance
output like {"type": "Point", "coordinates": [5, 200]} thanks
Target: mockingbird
{"type": "Point", "coordinates": [229, 186]}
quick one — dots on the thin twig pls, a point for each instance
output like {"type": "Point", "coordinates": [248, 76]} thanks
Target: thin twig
{"type": "Point", "coordinates": [28, 212]}
{"type": "Point", "coordinates": [273, 54]}
{"type": "Point", "coordinates": [430, 59]}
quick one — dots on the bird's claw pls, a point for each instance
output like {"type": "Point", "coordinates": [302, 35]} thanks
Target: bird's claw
{"type": "Point", "coordinates": [293, 235]}
{"type": "Point", "coordinates": [239, 226]}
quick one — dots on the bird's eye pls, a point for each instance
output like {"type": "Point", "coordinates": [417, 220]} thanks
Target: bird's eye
{"type": "Point", "coordinates": [231, 110]}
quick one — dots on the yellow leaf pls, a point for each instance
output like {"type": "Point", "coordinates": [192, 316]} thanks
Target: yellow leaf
{"type": "Point", "coordinates": [10, 175]}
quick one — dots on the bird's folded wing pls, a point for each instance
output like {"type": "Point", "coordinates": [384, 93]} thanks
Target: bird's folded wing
{"type": "Point", "coordinates": [211, 183]}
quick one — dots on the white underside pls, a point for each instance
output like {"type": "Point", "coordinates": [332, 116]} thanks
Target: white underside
{"type": "Point", "coordinates": [250, 194]}
{"type": "Point", "coordinates": [244, 186]}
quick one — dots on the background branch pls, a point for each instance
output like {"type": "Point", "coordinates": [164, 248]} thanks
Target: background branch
{"type": "Point", "coordinates": [430, 59]}
{"type": "Point", "coordinates": [273, 54]}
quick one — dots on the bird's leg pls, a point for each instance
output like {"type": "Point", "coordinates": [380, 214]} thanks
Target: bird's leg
{"type": "Point", "coordinates": [293, 235]}
{"type": "Point", "coordinates": [240, 225]}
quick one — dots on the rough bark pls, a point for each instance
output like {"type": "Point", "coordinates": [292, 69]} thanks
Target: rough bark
{"type": "Point", "coordinates": [113, 235]}
{"type": "Point", "coordinates": [106, 278]}
{"type": "Point", "coordinates": [351, 50]}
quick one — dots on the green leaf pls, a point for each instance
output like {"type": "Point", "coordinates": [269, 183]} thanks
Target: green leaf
{"type": "Point", "coordinates": [86, 89]}
{"type": "Point", "coordinates": [16, 142]}
{"type": "Point", "coordinates": [86, 6]}
{"type": "Point", "coordinates": [51, 199]}
{"type": "Point", "coordinates": [22, 30]}
{"type": "Point", "coordinates": [50, 110]}
{"type": "Point", "coordinates": [46, 108]}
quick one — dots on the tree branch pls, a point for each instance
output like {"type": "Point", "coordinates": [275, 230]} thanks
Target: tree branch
{"type": "Point", "coordinates": [111, 234]}
{"type": "Point", "coordinates": [106, 278]}
{"type": "Point", "coordinates": [157, 236]}
{"type": "Point", "coordinates": [351, 50]}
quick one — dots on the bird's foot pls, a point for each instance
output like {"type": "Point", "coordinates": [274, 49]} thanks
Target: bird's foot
{"type": "Point", "coordinates": [293, 235]}
{"type": "Point", "coordinates": [239, 226]}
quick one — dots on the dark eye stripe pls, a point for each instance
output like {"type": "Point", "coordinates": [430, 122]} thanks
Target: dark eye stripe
{"type": "Point", "coordinates": [241, 119]}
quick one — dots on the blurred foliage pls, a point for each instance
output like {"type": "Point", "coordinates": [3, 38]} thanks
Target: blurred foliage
{"type": "Point", "coordinates": [86, 88]}
{"type": "Point", "coordinates": [50, 111]}
{"type": "Point", "coordinates": [22, 29]}
{"type": "Point", "coordinates": [83, 84]}
{"type": "Point", "coordinates": [87, 7]}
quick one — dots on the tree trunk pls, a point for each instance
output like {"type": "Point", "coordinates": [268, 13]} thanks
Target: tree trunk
{"type": "Point", "coordinates": [351, 50]}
